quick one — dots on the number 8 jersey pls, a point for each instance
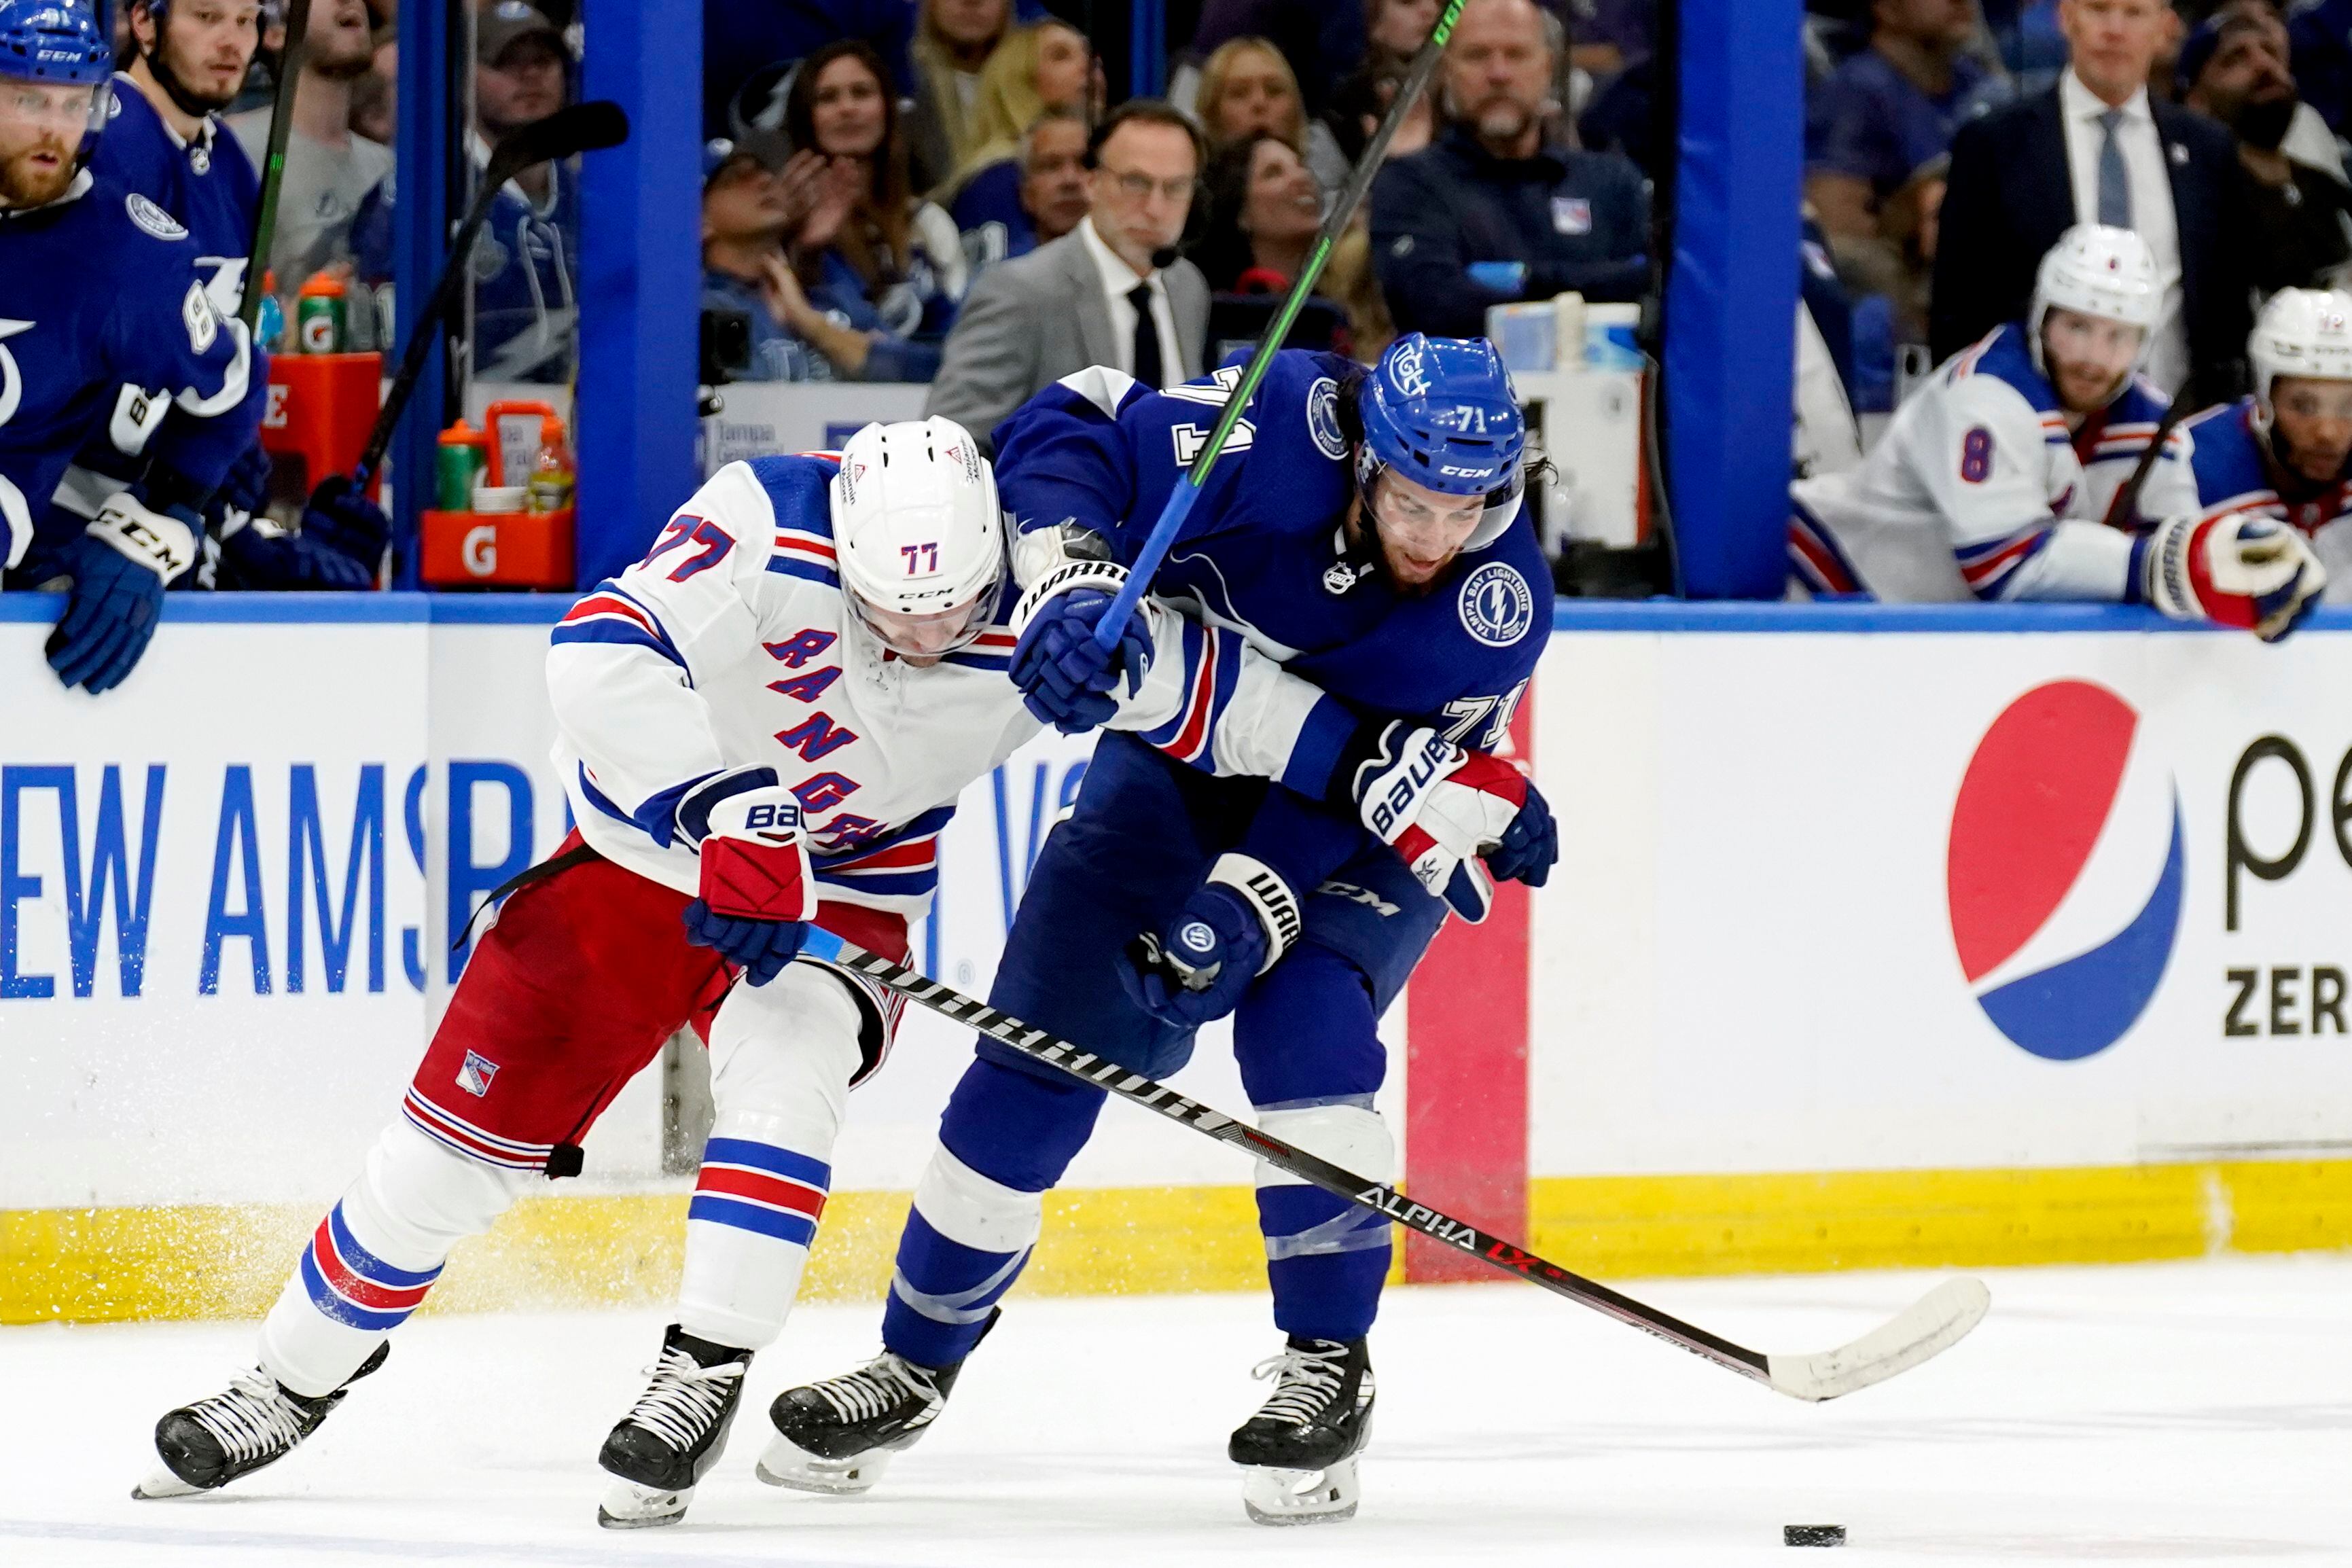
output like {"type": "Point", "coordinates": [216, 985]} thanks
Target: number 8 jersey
{"type": "Point", "coordinates": [1978, 490]}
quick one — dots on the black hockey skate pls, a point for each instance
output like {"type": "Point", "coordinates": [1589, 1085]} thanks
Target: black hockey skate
{"type": "Point", "coordinates": [674, 1434]}
{"type": "Point", "coordinates": [256, 1422]}
{"type": "Point", "coordinates": [839, 1436]}
{"type": "Point", "coordinates": [1301, 1445]}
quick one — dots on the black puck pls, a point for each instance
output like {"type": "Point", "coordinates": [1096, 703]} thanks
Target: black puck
{"type": "Point", "coordinates": [1813, 1535]}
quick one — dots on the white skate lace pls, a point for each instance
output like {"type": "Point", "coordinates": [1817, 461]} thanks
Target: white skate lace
{"type": "Point", "coordinates": [1310, 1381]}
{"type": "Point", "coordinates": [868, 1391]}
{"type": "Point", "coordinates": [685, 1399]}
{"type": "Point", "coordinates": [253, 1418]}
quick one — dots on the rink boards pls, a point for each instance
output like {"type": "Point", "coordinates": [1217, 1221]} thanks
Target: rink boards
{"type": "Point", "coordinates": [1879, 937]}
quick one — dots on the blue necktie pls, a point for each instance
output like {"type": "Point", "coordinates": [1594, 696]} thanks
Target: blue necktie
{"type": "Point", "coordinates": [2114, 189]}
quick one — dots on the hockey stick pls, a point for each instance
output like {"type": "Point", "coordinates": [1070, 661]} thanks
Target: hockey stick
{"type": "Point", "coordinates": [1343, 209]}
{"type": "Point", "coordinates": [578, 128]}
{"type": "Point", "coordinates": [2122, 510]}
{"type": "Point", "coordinates": [1935, 1322]}
{"type": "Point", "coordinates": [273, 163]}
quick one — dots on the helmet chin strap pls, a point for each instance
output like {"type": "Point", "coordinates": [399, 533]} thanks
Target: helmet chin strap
{"type": "Point", "coordinates": [187, 99]}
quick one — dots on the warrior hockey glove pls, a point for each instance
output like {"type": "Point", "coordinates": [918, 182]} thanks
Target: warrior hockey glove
{"type": "Point", "coordinates": [759, 891]}
{"type": "Point", "coordinates": [1064, 676]}
{"type": "Point", "coordinates": [120, 566]}
{"type": "Point", "coordinates": [2234, 570]}
{"type": "Point", "coordinates": [1234, 927]}
{"type": "Point", "coordinates": [1443, 809]}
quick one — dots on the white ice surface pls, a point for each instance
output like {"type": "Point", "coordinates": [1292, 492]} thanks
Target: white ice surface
{"type": "Point", "coordinates": [2175, 1415]}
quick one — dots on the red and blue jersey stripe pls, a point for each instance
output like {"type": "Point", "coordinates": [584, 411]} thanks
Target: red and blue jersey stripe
{"type": "Point", "coordinates": [903, 864]}
{"type": "Point", "coordinates": [1212, 666]}
{"type": "Point", "coordinates": [1990, 568]}
{"type": "Point", "coordinates": [607, 614]}
{"type": "Point", "coordinates": [760, 1187]}
{"type": "Point", "coordinates": [352, 1285]}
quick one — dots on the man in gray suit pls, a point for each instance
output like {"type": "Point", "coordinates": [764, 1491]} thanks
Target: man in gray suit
{"type": "Point", "coordinates": [1110, 292]}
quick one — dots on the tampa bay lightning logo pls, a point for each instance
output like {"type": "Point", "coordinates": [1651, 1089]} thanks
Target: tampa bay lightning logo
{"type": "Point", "coordinates": [1197, 936]}
{"type": "Point", "coordinates": [1498, 607]}
{"type": "Point", "coordinates": [1323, 418]}
{"type": "Point", "coordinates": [153, 218]}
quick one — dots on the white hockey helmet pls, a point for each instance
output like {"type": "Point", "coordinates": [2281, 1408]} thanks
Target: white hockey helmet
{"type": "Point", "coordinates": [917, 530]}
{"type": "Point", "coordinates": [2301, 331]}
{"type": "Point", "coordinates": [2098, 271]}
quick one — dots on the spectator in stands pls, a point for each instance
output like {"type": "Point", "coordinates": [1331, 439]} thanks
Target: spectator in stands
{"type": "Point", "coordinates": [752, 202]}
{"type": "Point", "coordinates": [1886, 110]}
{"type": "Point", "coordinates": [1363, 100]}
{"type": "Point", "coordinates": [953, 41]}
{"type": "Point", "coordinates": [1320, 41]}
{"type": "Point", "coordinates": [1495, 212]}
{"type": "Point", "coordinates": [1264, 210]}
{"type": "Point", "coordinates": [1246, 89]}
{"type": "Point", "coordinates": [1108, 294]}
{"type": "Point", "coordinates": [2234, 68]}
{"type": "Point", "coordinates": [1045, 67]}
{"type": "Point", "coordinates": [1011, 207]}
{"type": "Point", "coordinates": [375, 97]}
{"type": "Point", "coordinates": [329, 171]}
{"type": "Point", "coordinates": [2095, 150]}
{"type": "Point", "coordinates": [2320, 36]}
{"type": "Point", "coordinates": [749, 45]}
{"type": "Point", "coordinates": [870, 255]}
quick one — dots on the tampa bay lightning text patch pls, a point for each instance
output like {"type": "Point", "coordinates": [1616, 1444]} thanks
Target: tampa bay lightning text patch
{"type": "Point", "coordinates": [1497, 608]}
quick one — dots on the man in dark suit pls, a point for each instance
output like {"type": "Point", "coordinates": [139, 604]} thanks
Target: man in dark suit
{"type": "Point", "coordinates": [2096, 150]}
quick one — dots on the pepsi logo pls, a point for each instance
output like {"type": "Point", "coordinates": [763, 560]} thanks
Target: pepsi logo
{"type": "Point", "coordinates": [2063, 871]}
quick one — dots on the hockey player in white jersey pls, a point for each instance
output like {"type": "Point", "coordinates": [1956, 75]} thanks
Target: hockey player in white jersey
{"type": "Point", "coordinates": [2285, 451]}
{"type": "Point", "coordinates": [1996, 480]}
{"type": "Point", "coordinates": [764, 727]}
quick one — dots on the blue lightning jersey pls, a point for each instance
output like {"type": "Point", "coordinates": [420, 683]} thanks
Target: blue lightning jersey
{"type": "Point", "coordinates": [207, 182]}
{"type": "Point", "coordinates": [120, 332]}
{"type": "Point", "coordinates": [1263, 552]}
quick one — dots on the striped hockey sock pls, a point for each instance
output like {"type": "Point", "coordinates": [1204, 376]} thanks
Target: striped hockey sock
{"type": "Point", "coordinates": [749, 1229]}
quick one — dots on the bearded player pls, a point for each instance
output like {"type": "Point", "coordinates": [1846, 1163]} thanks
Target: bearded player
{"type": "Point", "coordinates": [1367, 535]}
{"type": "Point", "coordinates": [1997, 477]}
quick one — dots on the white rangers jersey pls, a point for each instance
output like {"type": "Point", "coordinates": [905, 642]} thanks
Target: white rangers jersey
{"type": "Point", "coordinates": [1978, 491]}
{"type": "Point", "coordinates": [2235, 472]}
{"type": "Point", "coordinates": [731, 644]}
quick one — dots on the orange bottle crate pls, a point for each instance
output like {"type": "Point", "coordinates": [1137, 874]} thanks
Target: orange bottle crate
{"type": "Point", "coordinates": [496, 549]}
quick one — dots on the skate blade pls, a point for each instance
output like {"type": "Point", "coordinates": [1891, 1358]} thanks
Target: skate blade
{"type": "Point", "coordinates": [1300, 1497]}
{"type": "Point", "coordinates": [163, 1484]}
{"type": "Point", "coordinates": [628, 1506]}
{"type": "Point", "coordinates": [787, 1464]}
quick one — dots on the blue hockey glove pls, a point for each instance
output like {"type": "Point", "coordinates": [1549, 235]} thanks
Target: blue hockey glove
{"type": "Point", "coordinates": [257, 554]}
{"type": "Point", "coordinates": [340, 517]}
{"type": "Point", "coordinates": [1065, 677]}
{"type": "Point", "coordinates": [759, 891]}
{"type": "Point", "coordinates": [245, 487]}
{"type": "Point", "coordinates": [1234, 927]}
{"type": "Point", "coordinates": [120, 566]}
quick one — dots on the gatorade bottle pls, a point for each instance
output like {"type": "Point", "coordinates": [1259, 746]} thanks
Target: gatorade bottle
{"type": "Point", "coordinates": [319, 315]}
{"type": "Point", "coordinates": [272, 316]}
{"type": "Point", "coordinates": [461, 455]}
{"type": "Point", "coordinates": [551, 476]}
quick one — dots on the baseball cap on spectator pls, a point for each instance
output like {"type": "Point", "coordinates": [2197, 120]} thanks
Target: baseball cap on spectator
{"type": "Point", "coordinates": [510, 22]}
{"type": "Point", "coordinates": [767, 149]}
{"type": "Point", "coordinates": [2196, 53]}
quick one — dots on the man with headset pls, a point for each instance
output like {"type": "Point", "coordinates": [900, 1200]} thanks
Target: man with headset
{"type": "Point", "coordinates": [1112, 293]}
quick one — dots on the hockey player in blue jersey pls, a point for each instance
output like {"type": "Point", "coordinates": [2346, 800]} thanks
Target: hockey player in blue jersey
{"type": "Point", "coordinates": [121, 334]}
{"type": "Point", "coordinates": [2285, 452]}
{"type": "Point", "coordinates": [1363, 529]}
{"type": "Point", "coordinates": [164, 141]}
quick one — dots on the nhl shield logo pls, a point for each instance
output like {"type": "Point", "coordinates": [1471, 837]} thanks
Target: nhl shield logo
{"type": "Point", "coordinates": [474, 1076]}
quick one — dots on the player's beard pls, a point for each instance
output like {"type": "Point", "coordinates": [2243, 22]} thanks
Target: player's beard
{"type": "Point", "coordinates": [190, 99]}
{"type": "Point", "coordinates": [21, 186]}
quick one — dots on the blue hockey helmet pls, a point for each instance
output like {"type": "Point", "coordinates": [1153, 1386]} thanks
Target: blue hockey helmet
{"type": "Point", "coordinates": [1441, 411]}
{"type": "Point", "coordinates": [56, 42]}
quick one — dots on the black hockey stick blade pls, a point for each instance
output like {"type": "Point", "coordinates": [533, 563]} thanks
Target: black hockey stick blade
{"type": "Point", "coordinates": [576, 128]}
{"type": "Point", "coordinates": [1935, 1323]}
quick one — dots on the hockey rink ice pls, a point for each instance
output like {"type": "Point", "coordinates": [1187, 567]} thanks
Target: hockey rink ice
{"type": "Point", "coordinates": [2172, 1414]}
